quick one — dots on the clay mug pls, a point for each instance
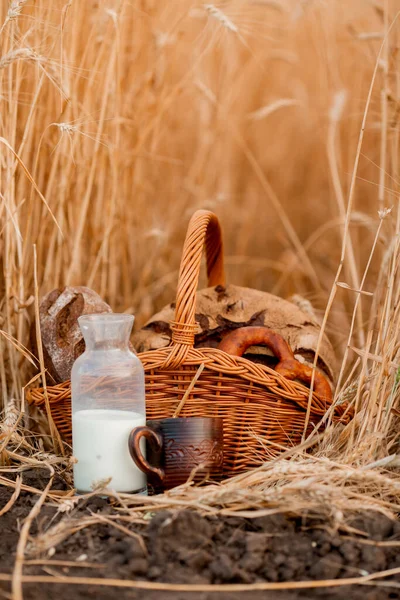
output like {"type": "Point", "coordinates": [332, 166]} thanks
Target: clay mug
{"type": "Point", "coordinates": [179, 448]}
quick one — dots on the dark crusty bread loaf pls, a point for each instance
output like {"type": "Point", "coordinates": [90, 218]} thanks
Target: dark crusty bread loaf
{"type": "Point", "coordinates": [61, 336]}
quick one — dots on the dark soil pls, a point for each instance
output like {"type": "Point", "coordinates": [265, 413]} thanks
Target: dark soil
{"type": "Point", "coordinates": [186, 548]}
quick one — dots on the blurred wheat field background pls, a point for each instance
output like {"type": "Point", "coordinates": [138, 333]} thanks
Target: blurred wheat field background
{"type": "Point", "coordinates": [119, 119]}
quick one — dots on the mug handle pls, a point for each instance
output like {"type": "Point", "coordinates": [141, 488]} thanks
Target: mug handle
{"type": "Point", "coordinates": [156, 441]}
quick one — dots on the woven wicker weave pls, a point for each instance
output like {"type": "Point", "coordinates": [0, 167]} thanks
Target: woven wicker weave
{"type": "Point", "coordinates": [258, 405]}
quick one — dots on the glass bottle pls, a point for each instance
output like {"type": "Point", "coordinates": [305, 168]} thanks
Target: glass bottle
{"type": "Point", "coordinates": [108, 401]}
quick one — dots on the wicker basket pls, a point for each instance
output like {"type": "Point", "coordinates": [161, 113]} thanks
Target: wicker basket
{"type": "Point", "coordinates": [261, 409]}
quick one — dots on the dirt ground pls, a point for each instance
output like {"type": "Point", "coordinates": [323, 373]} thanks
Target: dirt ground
{"type": "Point", "coordinates": [186, 548]}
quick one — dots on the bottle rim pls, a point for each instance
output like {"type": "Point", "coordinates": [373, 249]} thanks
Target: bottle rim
{"type": "Point", "coordinates": [106, 318]}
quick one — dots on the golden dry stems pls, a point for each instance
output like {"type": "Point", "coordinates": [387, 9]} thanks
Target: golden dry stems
{"type": "Point", "coordinates": [370, 579]}
{"type": "Point", "coordinates": [13, 498]}
{"type": "Point", "coordinates": [346, 242]}
{"type": "Point", "coordinates": [16, 582]}
{"type": "Point", "coordinates": [55, 436]}
{"type": "Point", "coordinates": [118, 120]}
{"type": "Point", "coordinates": [222, 106]}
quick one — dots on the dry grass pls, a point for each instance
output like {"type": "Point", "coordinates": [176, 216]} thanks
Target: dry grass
{"type": "Point", "coordinates": [118, 119]}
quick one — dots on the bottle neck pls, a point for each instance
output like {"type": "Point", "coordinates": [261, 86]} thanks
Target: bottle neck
{"type": "Point", "coordinates": [106, 332]}
{"type": "Point", "coordinates": [106, 346]}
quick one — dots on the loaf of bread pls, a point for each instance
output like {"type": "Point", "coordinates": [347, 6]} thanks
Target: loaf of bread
{"type": "Point", "coordinates": [61, 336]}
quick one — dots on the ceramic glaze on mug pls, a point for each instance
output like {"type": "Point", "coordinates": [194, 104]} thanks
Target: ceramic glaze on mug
{"type": "Point", "coordinates": [179, 448]}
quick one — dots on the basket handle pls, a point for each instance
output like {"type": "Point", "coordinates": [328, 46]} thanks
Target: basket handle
{"type": "Point", "coordinates": [237, 342]}
{"type": "Point", "coordinates": [203, 230]}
